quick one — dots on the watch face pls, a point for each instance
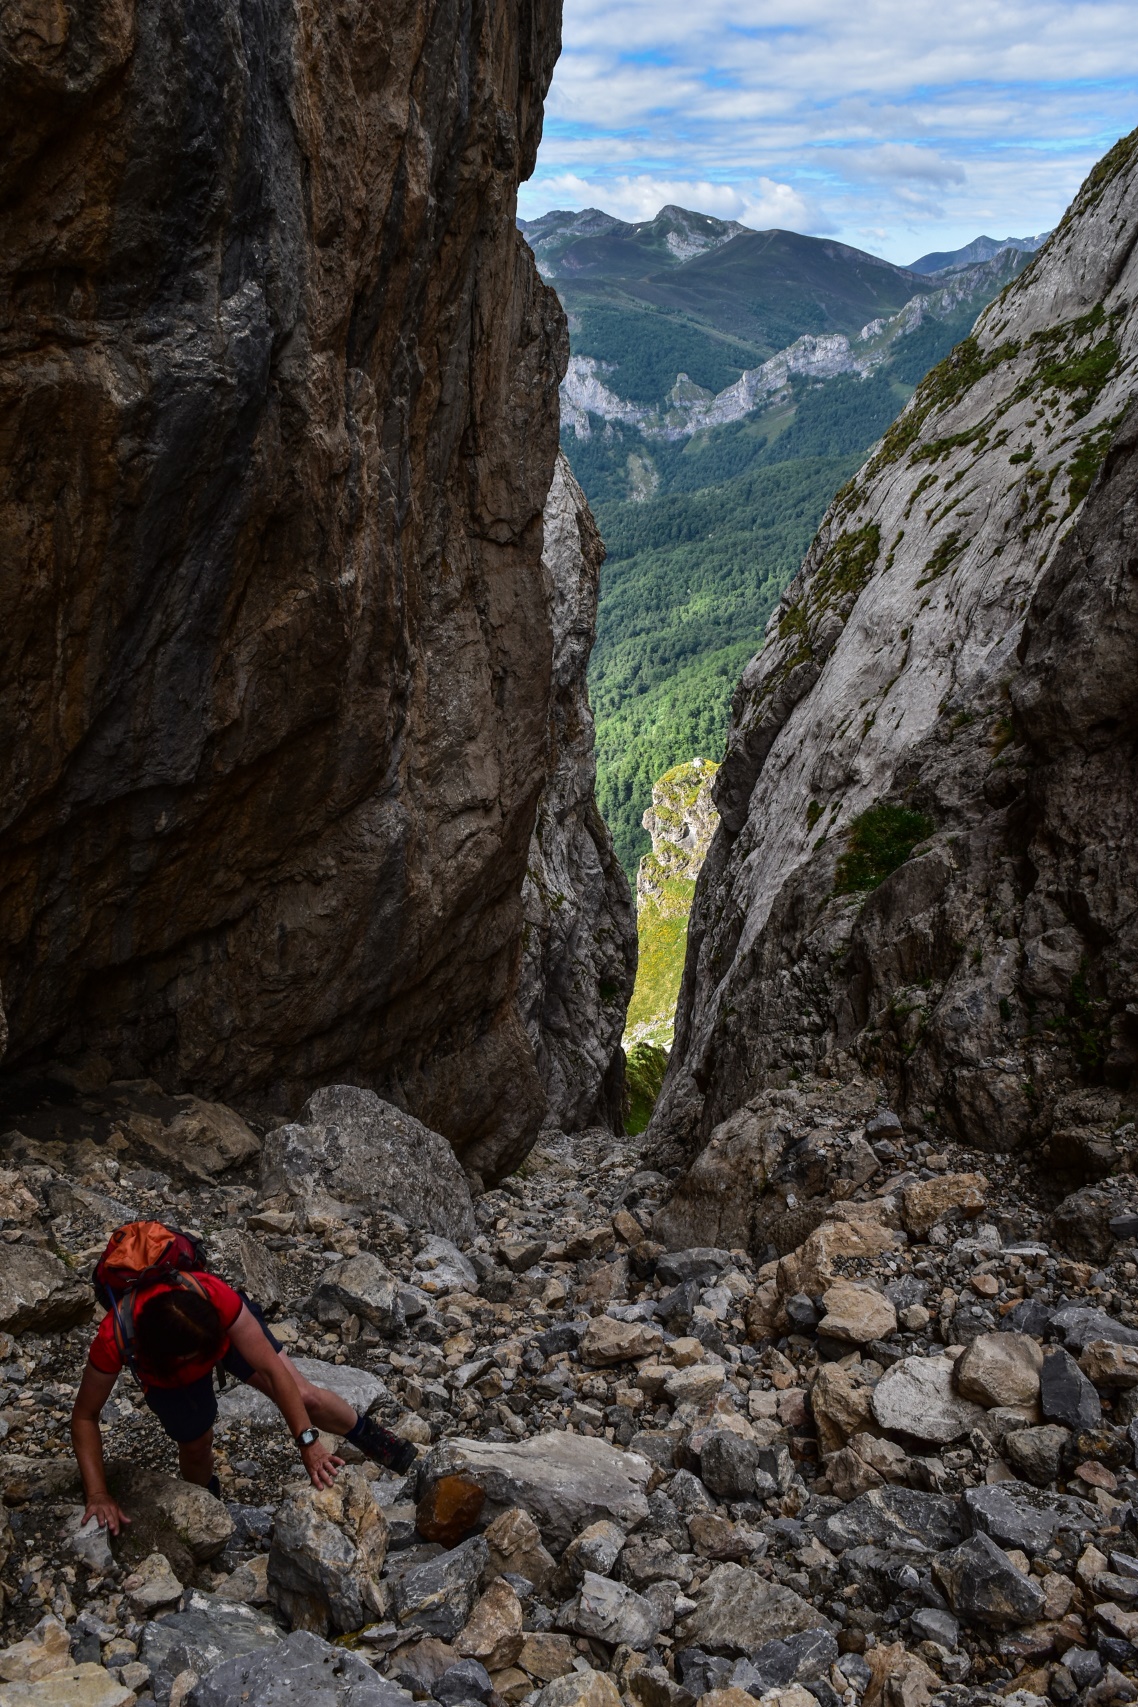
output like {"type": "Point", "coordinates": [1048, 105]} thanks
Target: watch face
{"type": "Point", "coordinates": [308, 1436]}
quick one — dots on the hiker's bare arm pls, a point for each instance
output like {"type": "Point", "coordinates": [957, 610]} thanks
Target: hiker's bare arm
{"type": "Point", "coordinates": [94, 1391]}
{"type": "Point", "coordinates": [275, 1378]}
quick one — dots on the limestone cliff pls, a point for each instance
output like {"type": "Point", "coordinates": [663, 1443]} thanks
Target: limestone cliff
{"type": "Point", "coordinates": [280, 399]}
{"type": "Point", "coordinates": [927, 864]}
{"type": "Point", "coordinates": [579, 959]}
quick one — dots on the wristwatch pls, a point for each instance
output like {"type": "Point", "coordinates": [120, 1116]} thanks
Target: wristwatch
{"type": "Point", "coordinates": [307, 1437]}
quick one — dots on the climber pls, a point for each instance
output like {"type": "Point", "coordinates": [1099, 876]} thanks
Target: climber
{"type": "Point", "coordinates": [172, 1327]}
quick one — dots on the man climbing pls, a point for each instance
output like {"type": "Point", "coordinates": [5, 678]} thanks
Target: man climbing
{"type": "Point", "coordinates": [173, 1323]}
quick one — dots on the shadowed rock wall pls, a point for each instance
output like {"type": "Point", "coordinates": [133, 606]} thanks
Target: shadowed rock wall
{"type": "Point", "coordinates": [279, 393]}
{"type": "Point", "coordinates": [927, 864]}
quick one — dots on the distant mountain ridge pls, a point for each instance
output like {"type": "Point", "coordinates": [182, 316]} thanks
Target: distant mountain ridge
{"type": "Point", "coordinates": [980, 249]}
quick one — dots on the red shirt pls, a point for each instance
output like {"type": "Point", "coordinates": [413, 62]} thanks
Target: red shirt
{"type": "Point", "coordinates": [106, 1357]}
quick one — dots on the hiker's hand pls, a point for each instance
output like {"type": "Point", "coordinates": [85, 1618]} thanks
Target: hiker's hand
{"type": "Point", "coordinates": [320, 1464]}
{"type": "Point", "coordinates": [110, 1514]}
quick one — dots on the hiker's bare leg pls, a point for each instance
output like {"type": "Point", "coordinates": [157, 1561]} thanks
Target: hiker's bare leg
{"type": "Point", "coordinates": [195, 1458]}
{"type": "Point", "coordinates": [332, 1414]}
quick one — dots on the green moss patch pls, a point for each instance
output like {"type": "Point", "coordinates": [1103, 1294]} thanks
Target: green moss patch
{"type": "Point", "coordinates": [643, 1076]}
{"type": "Point", "coordinates": [877, 843]}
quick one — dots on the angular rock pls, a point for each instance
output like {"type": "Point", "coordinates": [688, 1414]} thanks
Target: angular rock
{"type": "Point", "coordinates": [728, 1466]}
{"type": "Point", "coordinates": [849, 1475]}
{"type": "Point", "coordinates": [438, 1597]}
{"type": "Point", "coordinates": [168, 1514]}
{"type": "Point", "coordinates": [546, 1656]}
{"type": "Point", "coordinates": [360, 1286]}
{"type": "Point", "coordinates": [857, 1313]}
{"type": "Point", "coordinates": [1065, 1394]}
{"type": "Point", "coordinates": [1078, 1324]}
{"type": "Point", "coordinates": [1035, 1452]}
{"type": "Point", "coordinates": [44, 1650]}
{"type": "Point", "coordinates": [24, 1477]}
{"type": "Point", "coordinates": [449, 1510]}
{"type": "Point", "coordinates": [915, 1398]}
{"type": "Point", "coordinates": [203, 1139]}
{"type": "Point", "coordinates": [923, 1204]}
{"type": "Point", "coordinates": [350, 1149]}
{"type": "Point", "coordinates": [1110, 1365]}
{"type": "Point", "coordinates": [841, 1400]}
{"type": "Point", "coordinates": [467, 1681]}
{"type": "Point", "coordinates": [247, 1264]}
{"type": "Point", "coordinates": [442, 1268]}
{"type": "Point", "coordinates": [565, 1481]}
{"type": "Point", "coordinates": [698, 1384]}
{"type": "Point", "coordinates": [895, 1517]}
{"type": "Point", "coordinates": [242, 1404]}
{"type": "Point", "coordinates": [152, 1586]}
{"type": "Point", "coordinates": [204, 1633]}
{"type": "Point", "coordinates": [737, 1611]}
{"type": "Point", "coordinates": [85, 1685]}
{"type": "Point", "coordinates": [1016, 1514]}
{"type": "Point", "coordinates": [611, 1612]}
{"type": "Point", "coordinates": [580, 1689]}
{"type": "Point", "coordinates": [596, 1549]}
{"type": "Point", "coordinates": [328, 1549]}
{"type": "Point", "coordinates": [1081, 1223]}
{"type": "Point", "coordinates": [38, 1294]}
{"type": "Point", "coordinates": [493, 1632]}
{"type": "Point", "coordinates": [301, 1671]}
{"type": "Point", "coordinates": [1000, 1369]}
{"type": "Point", "coordinates": [606, 1342]}
{"type": "Point", "coordinates": [699, 1262]}
{"type": "Point", "coordinates": [983, 1587]}
{"type": "Point", "coordinates": [515, 1545]}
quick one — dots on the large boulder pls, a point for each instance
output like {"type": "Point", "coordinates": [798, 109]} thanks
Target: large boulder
{"type": "Point", "coordinates": [438, 1597]}
{"type": "Point", "coordinates": [359, 1286]}
{"type": "Point", "coordinates": [182, 1522]}
{"type": "Point", "coordinates": [915, 1398]}
{"type": "Point", "coordinates": [565, 1481]}
{"type": "Point", "coordinates": [983, 1587]}
{"type": "Point", "coordinates": [352, 1151]}
{"type": "Point", "coordinates": [327, 1552]}
{"type": "Point", "coordinates": [85, 1685]}
{"type": "Point", "coordinates": [247, 1264]}
{"type": "Point", "coordinates": [38, 1294]}
{"type": "Point", "coordinates": [302, 1671]}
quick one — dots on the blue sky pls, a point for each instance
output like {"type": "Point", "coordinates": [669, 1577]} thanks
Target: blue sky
{"type": "Point", "coordinates": [899, 126]}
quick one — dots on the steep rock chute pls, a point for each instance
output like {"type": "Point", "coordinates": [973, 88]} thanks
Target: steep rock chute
{"type": "Point", "coordinates": [280, 392]}
{"type": "Point", "coordinates": [927, 862]}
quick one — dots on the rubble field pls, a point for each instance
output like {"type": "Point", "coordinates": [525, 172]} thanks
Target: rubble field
{"type": "Point", "coordinates": [885, 1456]}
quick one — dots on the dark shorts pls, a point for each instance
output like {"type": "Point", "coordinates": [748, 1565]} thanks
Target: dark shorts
{"type": "Point", "coordinates": [186, 1413]}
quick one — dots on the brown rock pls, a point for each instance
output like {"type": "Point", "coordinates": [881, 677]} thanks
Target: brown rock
{"type": "Point", "coordinates": [325, 658]}
{"type": "Point", "coordinates": [849, 1475]}
{"type": "Point", "coordinates": [1109, 1365]}
{"type": "Point", "coordinates": [580, 1689]}
{"type": "Point", "coordinates": [493, 1632]}
{"type": "Point", "coordinates": [546, 1656]}
{"type": "Point", "coordinates": [857, 1312]}
{"type": "Point", "coordinates": [515, 1545]}
{"type": "Point", "coordinates": [1000, 1369]}
{"type": "Point", "coordinates": [449, 1510]}
{"type": "Point", "coordinates": [606, 1341]}
{"type": "Point", "coordinates": [765, 1316]}
{"type": "Point", "coordinates": [924, 1203]}
{"type": "Point", "coordinates": [715, 1537]}
{"type": "Point", "coordinates": [841, 1402]}
{"type": "Point", "coordinates": [812, 1267]}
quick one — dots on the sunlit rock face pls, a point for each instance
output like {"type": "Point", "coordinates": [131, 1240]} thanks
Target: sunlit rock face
{"type": "Point", "coordinates": [926, 865]}
{"type": "Point", "coordinates": [280, 400]}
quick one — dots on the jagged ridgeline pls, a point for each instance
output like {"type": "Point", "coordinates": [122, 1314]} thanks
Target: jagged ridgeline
{"type": "Point", "coordinates": [723, 384]}
{"type": "Point", "coordinates": [927, 858]}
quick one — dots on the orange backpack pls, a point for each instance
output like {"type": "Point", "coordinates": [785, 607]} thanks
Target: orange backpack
{"type": "Point", "coordinates": [142, 1254]}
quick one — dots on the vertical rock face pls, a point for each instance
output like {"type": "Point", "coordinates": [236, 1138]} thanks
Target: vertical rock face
{"type": "Point", "coordinates": [928, 861]}
{"type": "Point", "coordinates": [579, 960]}
{"type": "Point", "coordinates": [279, 387]}
{"type": "Point", "coordinates": [681, 822]}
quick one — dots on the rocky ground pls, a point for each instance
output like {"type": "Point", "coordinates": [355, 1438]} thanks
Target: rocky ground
{"type": "Point", "coordinates": [887, 1457]}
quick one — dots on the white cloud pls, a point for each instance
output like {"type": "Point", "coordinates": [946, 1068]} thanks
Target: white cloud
{"type": "Point", "coordinates": [922, 122]}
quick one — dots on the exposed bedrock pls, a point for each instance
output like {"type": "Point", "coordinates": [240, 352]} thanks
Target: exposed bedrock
{"type": "Point", "coordinates": [927, 866]}
{"type": "Point", "coordinates": [279, 386]}
{"type": "Point", "coordinates": [579, 956]}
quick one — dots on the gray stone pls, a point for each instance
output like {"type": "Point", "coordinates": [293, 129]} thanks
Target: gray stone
{"type": "Point", "coordinates": [675, 1268]}
{"type": "Point", "coordinates": [206, 1632]}
{"type": "Point", "coordinates": [915, 1398]}
{"type": "Point", "coordinates": [1029, 1316]}
{"type": "Point", "coordinates": [1078, 1324]}
{"type": "Point", "coordinates": [737, 1611]}
{"type": "Point", "coordinates": [933, 1625]}
{"type": "Point", "coordinates": [1014, 1514]}
{"type": "Point", "coordinates": [248, 1265]}
{"type": "Point", "coordinates": [443, 1268]}
{"type": "Point", "coordinates": [983, 1587]}
{"type": "Point", "coordinates": [242, 1404]}
{"type": "Point", "coordinates": [895, 1517]}
{"type": "Point", "coordinates": [438, 1597]}
{"type": "Point", "coordinates": [328, 1549]}
{"type": "Point", "coordinates": [38, 1294]}
{"type": "Point", "coordinates": [596, 1549]}
{"type": "Point", "coordinates": [611, 1612]}
{"type": "Point", "coordinates": [565, 1481]}
{"type": "Point", "coordinates": [350, 1150]}
{"type": "Point", "coordinates": [1035, 1452]}
{"type": "Point", "coordinates": [728, 1465]}
{"type": "Point", "coordinates": [467, 1681]}
{"type": "Point", "coordinates": [359, 1286]}
{"type": "Point", "coordinates": [302, 1671]}
{"type": "Point", "coordinates": [1065, 1394]}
